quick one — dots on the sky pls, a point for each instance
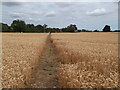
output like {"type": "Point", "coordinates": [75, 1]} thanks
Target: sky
{"type": "Point", "coordinates": [86, 15]}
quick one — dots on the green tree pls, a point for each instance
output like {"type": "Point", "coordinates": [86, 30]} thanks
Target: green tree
{"type": "Point", "coordinates": [5, 28]}
{"type": "Point", "coordinates": [83, 30]}
{"type": "Point", "coordinates": [39, 28]}
{"type": "Point", "coordinates": [96, 31]}
{"type": "Point", "coordinates": [106, 28]}
{"type": "Point", "coordinates": [71, 28]}
{"type": "Point", "coordinates": [44, 26]}
{"type": "Point", "coordinates": [18, 26]}
{"type": "Point", "coordinates": [30, 28]}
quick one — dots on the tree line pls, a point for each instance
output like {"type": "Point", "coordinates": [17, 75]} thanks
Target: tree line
{"type": "Point", "coordinates": [21, 26]}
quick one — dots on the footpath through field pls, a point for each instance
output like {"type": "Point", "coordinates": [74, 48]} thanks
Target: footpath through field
{"type": "Point", "coordinates": [45, 74]}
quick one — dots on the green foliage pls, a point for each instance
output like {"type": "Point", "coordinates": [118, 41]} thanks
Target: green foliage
{"type": "Point", "coordinates": [96, 31]}
{"type": "Point", "coordinates": [21, 26]}
{"type": "Point", "coordinates": [40, 28]}
{"type": "Point", "coordinates": [46, 69]}
{"type": "Point", "coordinates": [71, 28]}
{"type": "Point", "coordinates": [30, 28]}
{"type": "Point", "coordinates": [18, 26]}
{"type": "Point", "coordinates": [106, 28]}
{"type": "Point", "coordinates": [83, 30]}
{"type": "Point", "coordinates": [5, 28]}
{"type": "Point", "coordinates": [117, 31]}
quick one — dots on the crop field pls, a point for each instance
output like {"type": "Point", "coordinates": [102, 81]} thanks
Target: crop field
{"type": "Point", "coordinates": [0, 59]}
{"type": "Point", "coordinates": [21, 53]}
{"type": "Point", "coordinates": [88, 60]}
{"type": "Point", "coordinates": [60, 60]}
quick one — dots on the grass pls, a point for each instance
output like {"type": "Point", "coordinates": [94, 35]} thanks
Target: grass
{"type": "Point", "coordinates": [46, 69]}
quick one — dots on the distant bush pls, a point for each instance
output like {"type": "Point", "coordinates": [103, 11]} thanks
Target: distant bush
{"type": "Point", "coordinates": [116, 31]}
{"type": "Point", "coordinates": [96, 31]}
{"type": "Point", "coordinates": [106, 28]}
{"type": "Point", "coordinates": [5, 28]}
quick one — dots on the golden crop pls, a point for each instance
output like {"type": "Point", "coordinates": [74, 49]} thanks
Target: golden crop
{"type": "Point", "coordinates": [0, 60]}
{"type": "Point", "coordinates": [88, 60]}
{"type": "Point", "coordinates": [85, 60]}
{"type": "Point", "coordinates": [21, 53]}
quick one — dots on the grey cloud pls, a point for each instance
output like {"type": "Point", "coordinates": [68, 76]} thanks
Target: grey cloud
{"type": "Point", "coordinates": [65, 13]}
{"type": "Point", "coordinates": [17, 15]}
{"type": "Point", "coordinates": [33, 12]}
{"type": "Point", "coordinates": [63, 4]}
{"type": "Point", "coordinates": [10, 4]}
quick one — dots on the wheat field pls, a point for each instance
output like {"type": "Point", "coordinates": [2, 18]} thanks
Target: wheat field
{"type": "Point", "coordinates": [88, 60]}
{"type": "Point", "coordinates": [20, 54]}
{"type": "Point", "coordinates": [0, 60]}
{"type": "Point", "coordinates": [84, 60]}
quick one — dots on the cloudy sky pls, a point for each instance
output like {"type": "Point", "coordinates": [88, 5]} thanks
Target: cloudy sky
{"type": "Point", "coordinates": [86, 15]}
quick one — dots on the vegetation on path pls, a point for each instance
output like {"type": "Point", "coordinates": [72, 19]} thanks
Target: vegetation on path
{"type": "Point", "coordinates": [45, 74]}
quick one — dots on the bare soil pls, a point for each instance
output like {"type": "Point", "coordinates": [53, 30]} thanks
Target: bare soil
{"type": "Point", "coordinates": [44, 76]}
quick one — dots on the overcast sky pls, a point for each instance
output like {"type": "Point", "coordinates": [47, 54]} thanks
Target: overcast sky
{"type": "Point", "coordinates": [86, 15]}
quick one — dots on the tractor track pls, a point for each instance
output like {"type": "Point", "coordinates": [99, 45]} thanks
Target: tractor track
{"type": "Point", "coordinates": [44, 76]}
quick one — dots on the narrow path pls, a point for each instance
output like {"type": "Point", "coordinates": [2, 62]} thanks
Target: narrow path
{"type": "Point", "coordinates": [45, 74]}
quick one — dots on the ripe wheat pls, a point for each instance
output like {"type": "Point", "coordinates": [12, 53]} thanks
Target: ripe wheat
{"type": "Point", "coordinates": [21, 53]}
{"type": "Point", "coordinates": [88, 60]}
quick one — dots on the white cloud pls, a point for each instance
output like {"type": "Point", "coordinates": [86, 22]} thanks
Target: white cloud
{"type": "Point", "coordinates": [34, 20]}
{"type": "Point", "coordinates": [31, 19]}
{"type": "Point", "coordinates": [50, 14]}
{"type": "Point", "coordinates": [62, 14]}
{"type": "Point", "coordinates": [98, 12]}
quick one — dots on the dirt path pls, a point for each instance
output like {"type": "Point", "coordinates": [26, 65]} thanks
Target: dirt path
{"type": "Point", "coordinates": [45, 74]}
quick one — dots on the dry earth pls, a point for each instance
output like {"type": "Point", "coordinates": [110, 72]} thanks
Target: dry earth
{"type": "Point", "coordinates": [45, 73]}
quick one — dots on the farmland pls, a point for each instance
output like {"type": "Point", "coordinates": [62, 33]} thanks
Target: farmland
{"type": "Point", "coordinates": [21, 53]}
{"type": "Point", "coordinates": [67, 60]}
{"type": "Point", "coordinates": [88, 60]}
